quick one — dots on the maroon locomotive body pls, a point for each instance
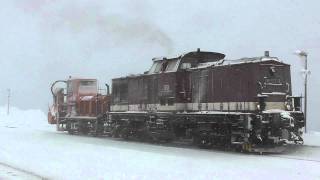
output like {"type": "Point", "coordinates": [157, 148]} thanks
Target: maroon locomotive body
{"type": "Point", "coordinates": [201, 96]}
{"type": "Point", "coordinates": [204, 81]}
{"type": "Point", "coordinates": [198, 97]}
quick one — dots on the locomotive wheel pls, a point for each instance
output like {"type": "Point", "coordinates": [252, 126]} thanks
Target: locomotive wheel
{"type": "Point", "coordinates": [98, 130]}
{"type": "Point", "coordinates": [203, 141]}
{"type": "Point", "coordinates": [83, 129]}
{"type": "Point", "coordinates": [150, 137]}
{"type": "Point", "coordinates": [115, 132]}
{"type": "Point", "coordinates": [70, 131]}
{"type": "Point", "coordinates": [124, 134]}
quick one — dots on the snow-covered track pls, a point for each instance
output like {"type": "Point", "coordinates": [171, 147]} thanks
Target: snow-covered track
{"type": "Point", "coordinates": [11, 172]}
{"type": "Point", "coordinates": [300, 153]}
{"type": "Point", "coordinates": [296, 158]}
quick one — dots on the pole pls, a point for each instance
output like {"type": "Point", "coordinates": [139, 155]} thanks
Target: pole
{"type": "Point", "coordinates": [8, 107]}
{"type": "Point", "coordinates": [304, 56]}
{"type": "Point", "coordinates": [305, 92]}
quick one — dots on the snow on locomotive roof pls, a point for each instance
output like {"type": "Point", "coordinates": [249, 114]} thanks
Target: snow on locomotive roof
{"type": "Point", "coordinates": [249, 60]}
{"type": "Point", "coordinates": [204, 55]}
{"type": "Point", "coordinates": [209, 59]}
{"type": "Point", "coordinates": [225, 62]}
{"type": "Point", "coordinates": [81, 79]}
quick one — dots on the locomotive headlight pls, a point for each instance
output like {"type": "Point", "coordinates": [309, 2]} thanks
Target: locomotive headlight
{"type": "Point", "coordinates": [258, 107]}
{"type": "Point", "coordinates": [288, 105]}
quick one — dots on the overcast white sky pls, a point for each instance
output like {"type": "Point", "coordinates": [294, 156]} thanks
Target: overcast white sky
{"type": "Point", "coordinates": [45, 40]}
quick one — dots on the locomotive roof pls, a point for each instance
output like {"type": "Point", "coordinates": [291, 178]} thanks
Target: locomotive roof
{"type": "Point", "coordinates": [81, 79]}
{"type": "Point", "coordinates": [204, 56]}
{"type": "Point", "coordinates": [250, 60]}
{"type": "Point", "coordinates": [225, 62]}
{"type": "Point", "coordinates": [207, 60]}
{"type": "Point", "coordinates": [216, 59]}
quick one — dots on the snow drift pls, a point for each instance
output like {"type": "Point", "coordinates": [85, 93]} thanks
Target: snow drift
{"type": "Point", "coordinates": [18, 118]}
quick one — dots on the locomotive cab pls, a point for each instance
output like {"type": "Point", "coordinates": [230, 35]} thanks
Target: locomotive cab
{"type": "Point", "coordinates": [184, 62]}
{"type": "Point", "coordinates": [80, 95]}
{"type": "Point", "coordinates": [78, 105]}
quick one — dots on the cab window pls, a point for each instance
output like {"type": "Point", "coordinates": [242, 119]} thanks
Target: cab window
{"type": "Point", "coordinates": [88, 87]}
{"type": "Point", "coordinates": [171, 65]}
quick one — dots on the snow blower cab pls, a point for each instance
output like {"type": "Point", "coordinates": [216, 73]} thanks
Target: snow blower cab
{"type": "Point", "coordinates": [77, 101]}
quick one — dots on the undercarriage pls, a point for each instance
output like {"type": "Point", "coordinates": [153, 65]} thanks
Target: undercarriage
{"type": "Point", "coordinates": [245, 132]}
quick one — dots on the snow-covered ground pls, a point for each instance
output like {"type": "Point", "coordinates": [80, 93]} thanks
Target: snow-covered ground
{"type": "Point", "coordinates": [29, 144]}
{"type": "Point", "coordinates": [312, 139]}
{"type": "Point", "coordinates": [7, 172]}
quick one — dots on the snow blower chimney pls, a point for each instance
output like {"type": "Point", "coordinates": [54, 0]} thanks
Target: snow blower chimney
{"type": "Point", "coordinates": [266, 54]}
{"type": "Point", "coordinates": [108, 89]}
{"type": "Point", "coordinates": [198, 50]}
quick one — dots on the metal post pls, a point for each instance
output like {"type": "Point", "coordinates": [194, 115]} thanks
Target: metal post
{"type": "Point", "coordinates": [305, 91]}
{"type": "Point", "coordinates": [8, 105]}
{"type": "Point", "coordinates": [304, 56]}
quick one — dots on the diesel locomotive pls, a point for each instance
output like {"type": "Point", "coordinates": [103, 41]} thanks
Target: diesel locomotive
{"type": "Point", "coordinates": [198, 97]}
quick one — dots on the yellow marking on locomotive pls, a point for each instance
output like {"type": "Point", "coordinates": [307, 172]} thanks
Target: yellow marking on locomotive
{"type": "Point", "coordinates": [247, 147]}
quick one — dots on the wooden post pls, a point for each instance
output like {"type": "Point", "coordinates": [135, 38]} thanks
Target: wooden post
{"type": "Point", "coordinates": [8, 104]}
